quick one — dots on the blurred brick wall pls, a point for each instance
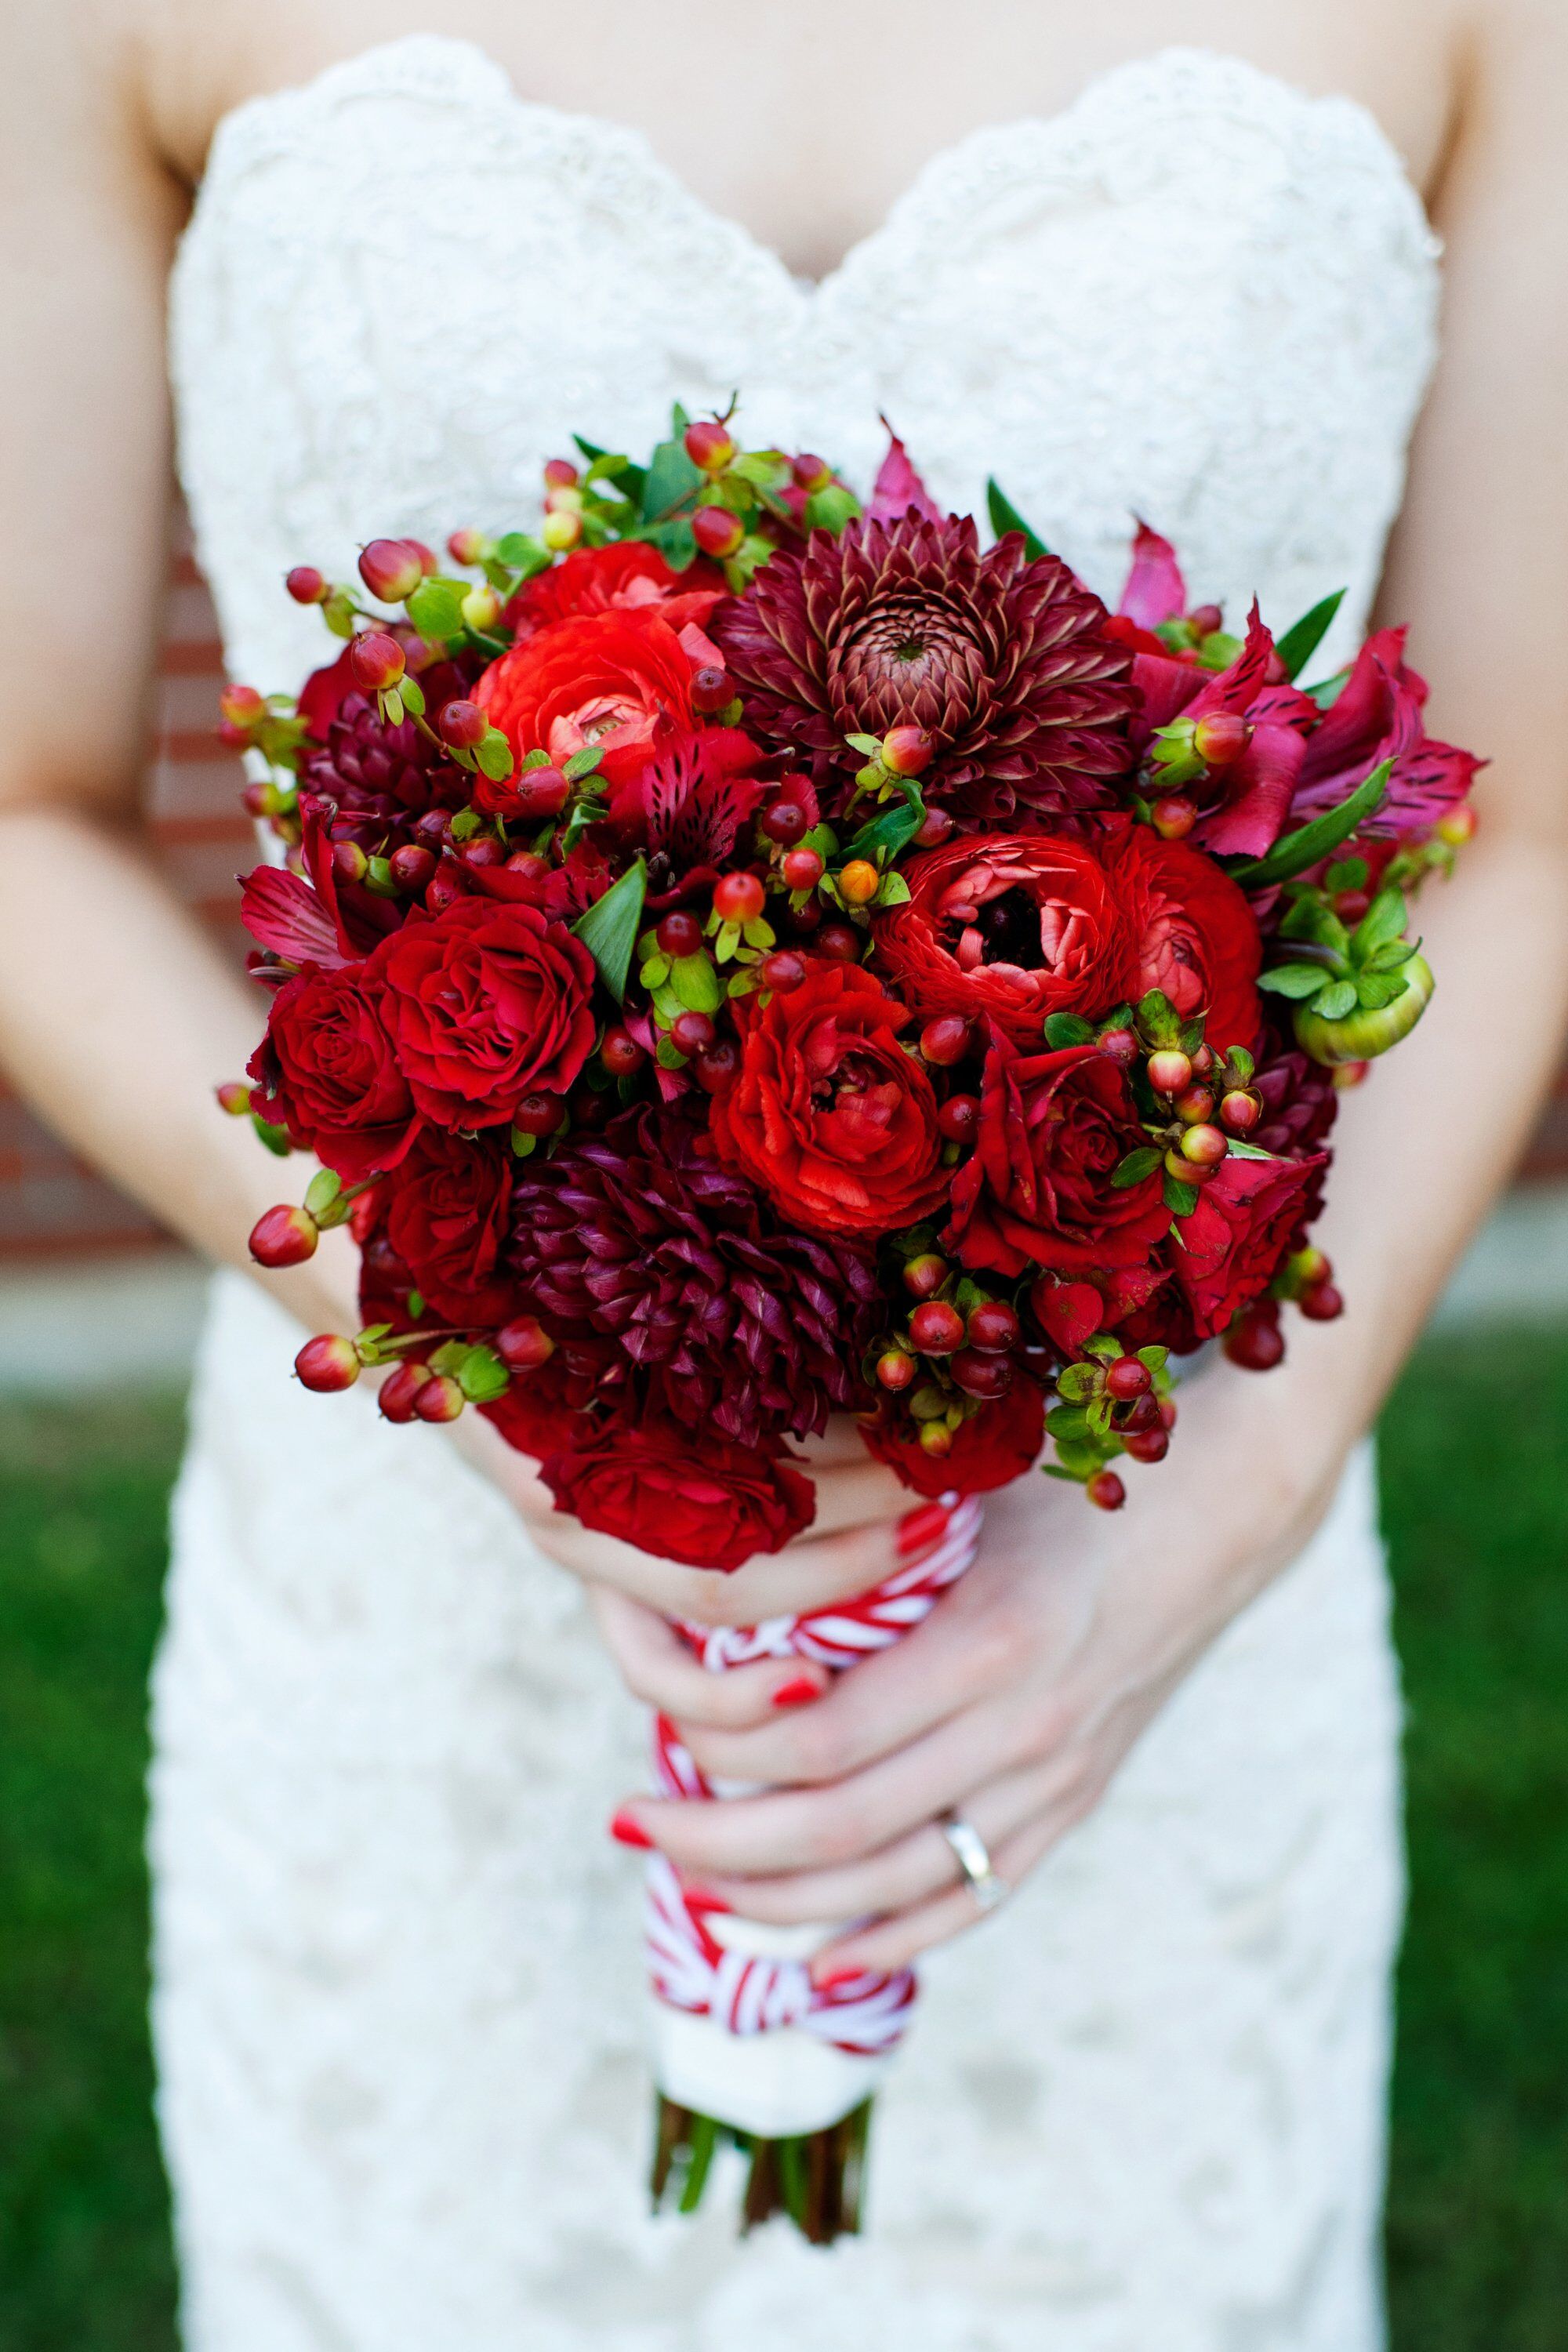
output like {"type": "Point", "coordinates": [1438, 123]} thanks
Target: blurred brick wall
{"type": "Point", "coordinates": [50, 1204]}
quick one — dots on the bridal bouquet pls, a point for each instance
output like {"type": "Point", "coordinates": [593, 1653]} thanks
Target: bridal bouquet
{"type": "Point", "coordinates": [738, 957]}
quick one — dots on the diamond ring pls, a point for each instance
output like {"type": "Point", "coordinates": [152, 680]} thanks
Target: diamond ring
{"type": "Point", "coordinates": [974, 1859]}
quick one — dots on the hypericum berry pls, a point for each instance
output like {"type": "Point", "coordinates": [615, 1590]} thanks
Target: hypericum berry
{"type": "Point", "coordinates": [1173, 817]}
{"type": "Point", "coordinates": [242, 706]}
{"type": "Point", "coordinates": [980, 1375]}
{"type": "Point", "coordinates": [328, 1363]}
{"type": "Point", "coordinates": [810, 471]}
{"type": "Point", "coordinates": [538, 1114]}
{"type": "Point", "coordinates": [716, 1066]}
{"type": "Point", "coordinates": [1321, 1303]}
{"type": "Point", "coordinates": [284, 1236]}
{"type": "Point", "coordinates": [895, 1368]}
{"type": "Point", "coordinates": [936, 1328]}
{"type": "Point", "coordinates": [1255, 1341]}
{"type": "Point", "coordinates": [936, 826]}
{"type": "Point", "coordinates": [538, 793]}
{"type": "Point", "coordinates": [924, 1276]}
{"type": "Point", "coordinates": [784, 822]}
{"type": "Point", "coordinates": [561, 530]}
{"type": "Point", "coordinates": [466, 547]}
{"type": "Point", "coordinates": [1205, 619]}
{"type": "Point", "coordinates": [936, 1439]}
{"type": "Point", "coordinates": [440, 1399]}
{"type": "Point", "coordinates": [531, 867]}
{"type": "Point", "coordinates": [444, 885]}
{"type": "Point", "coordinates": [839, 942]}
{"type": "Point", "coordinates": [1240, 1111]}
{"type": "Point", "coordinates": [707, 444]}
{"type": "Point", "coordinates": [713, 689]}
{"type": "Point", "coordinates": [1204, 1146]}
{"type": "Point", "coordinates": [391, 569]}
{"type": "Point", "coordinates": [461, 725]}
{"type": "Point", "coordinates": [1170, 1073]}
{"type": "Point", "coordinates": [1192, 1108]}
{"type": "Point", "coordinates": [1457, 825]}
{"type": "Point", "coordinates": [1346, 1074]}
{"type": "Point", "coordinates": [1144, 1413]}
{"type": "Point", "coordinates": [1147, 1444]}
{"type": "Point", "coordinates": [717, 532]}
{"type": "Point", "coordinates": [1350, 906]}
{"type": "Point", "coordinates": [480, 608]}
{"type": "Point", "coordinates": [1220, 738]}
{"type": "Point", "coordinates": [679, 933]}
{"type": "Point", "coordinates": [619, 1052]}
{"type": "Point", "coordinates": [234, 1096]}
{"type": "Point", "coordinates": [958, 1118]}
{"type": "Point", "coordinates": [1203, 1060]}
{"type": "Point", "coordinates": [375, 661]}
{"type": "Point", "coordinates": [946, 1040]}
{"type": "Point", "coordinates": [1167, 1413]}
{"type": "Point", "coordinates": [907, 750]}
{"type": "Point", "coordinates": [350, 863]}
{"type": "Point", "coordinates": [411, 867]}
{"type": "Point", "coordinates": [801, 869]}
{"type": "Point", "coordinates": [992, 1326]}
{"type": "Point", "coordinates": [737, 899]}
{"type": "Point", "coordinates": [783, 971]}
{"type": "Point", "coordinates": [1312, 1266]}
{"type": "Point", "coordinates": [306, 584]}
{"type": "Point", "coordinates": [1119, 1045]}
{"type": "Point", "coordinates": [399, 1390]}
{"type": "Point", "coordinates": [525, 1344]}
{"type": "Point", "coordinates": [858, 882]}
{"type": "Point", "coordinates": [1106, 1491]}
{"type": "Point", "coordinates": [483, 850]}
{"type": "Point", "coordinates": [692, 1032]}
{"type": "Point", "coordinates": [1126, 1379]}
{"type": "Point", "coordinates": [560, 474]}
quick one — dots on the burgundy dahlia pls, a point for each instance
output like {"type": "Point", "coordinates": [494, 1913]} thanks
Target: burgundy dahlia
{"type": "Point", "coordinates": [1005, 661]}
{"type": "Point", "coordinates": [379, 778]}
{"type": "Point", "coordinates": [1301, 1103]}
{"type": "Point", "coordinates": [726, 1318]}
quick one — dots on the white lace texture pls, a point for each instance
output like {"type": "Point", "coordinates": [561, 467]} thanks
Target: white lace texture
{"type": "Point", "coordinates": [397, 2005]}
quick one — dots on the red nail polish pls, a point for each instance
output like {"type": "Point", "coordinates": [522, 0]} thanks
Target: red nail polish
{"type": "Point", "coordinates": [628, 1830]}
{"type": "Point", "coordinates": [919, 1529]}
{"type": "Point", "coordinates": [797, 1692]}
{"type": "Point", "coordinates": [834, 1976]}
{"type": "Point", "coordinates": [702, 1898]}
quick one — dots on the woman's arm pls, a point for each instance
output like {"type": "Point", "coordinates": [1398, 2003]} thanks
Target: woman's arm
{"type": "Point", "coordinates": [1020, 1696]}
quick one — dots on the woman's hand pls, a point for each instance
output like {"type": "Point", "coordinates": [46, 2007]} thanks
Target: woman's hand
{"type": "Point", "coordinates": [1013, 1703]}
{"type": "Point", "coordinates": [852, 1544]}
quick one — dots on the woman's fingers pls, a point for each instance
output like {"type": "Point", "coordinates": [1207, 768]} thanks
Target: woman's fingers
{"type": "Point", "coordinates": [657, 1667]}
{"type": "Point", "coordinates": [894, 1942]}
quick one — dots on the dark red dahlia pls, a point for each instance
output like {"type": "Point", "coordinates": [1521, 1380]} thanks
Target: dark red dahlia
{"type": "Point", "coordinates": [1005, 661]}
{"type": "Point", "coordinates": [1301, 1103]}
{"type": "Point", "coordinates": [378, 778]}
{"type": "Point", "coordinates": [724, 1317]}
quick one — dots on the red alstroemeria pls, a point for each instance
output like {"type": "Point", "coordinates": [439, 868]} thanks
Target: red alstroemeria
{"type": "Point", "coordinates": [686, 810]}
{"type": "Point", "coordinates": [1377, 716]}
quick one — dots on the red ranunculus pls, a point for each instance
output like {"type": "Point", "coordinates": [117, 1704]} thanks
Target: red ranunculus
{"type": "Point", "coordinates": [1245, 1217]}
{"type": "Point", "coordinates": [1054, 1129]}
{"type": "Point", "coordinates": [828, 1116]}
{"type": "Point", "coordinates": [1013, 928]}
{"type": "Point", "coordinates": [994, 1446]}
{"type": "Point", "coordinates": [488, 1001]}
{"type": "Point", "coordinates": [1195, 935]}
{"type": "Point", "coordinates": [327, 1070]}
{"type": "Point", "coordinates": [703, 1500]}
{"type": "Point", "coordinates": [545, 1410]}
{"type": "Point", "coordinates": [446, 1217]}
{"type": "Point", "coordinates": [629, 576]}
{"type": "Point", "coordinates": [621, 680]}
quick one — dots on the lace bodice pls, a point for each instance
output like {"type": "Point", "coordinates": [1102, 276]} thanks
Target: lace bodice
{"type": "Point", "coordinates": [1195, 294]}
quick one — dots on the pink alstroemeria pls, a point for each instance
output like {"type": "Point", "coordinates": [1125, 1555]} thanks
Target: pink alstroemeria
{"type": "Point", "coordinates": [1155, 590]}
{"type": "Point", "coordinates": [1377, 716]}
{"type": "Point", "coordinates": [685, 810]}
{"type": "Point", "coordinates": [1248, 802]}
{"type": "Point", "coordinates": [897, 488]}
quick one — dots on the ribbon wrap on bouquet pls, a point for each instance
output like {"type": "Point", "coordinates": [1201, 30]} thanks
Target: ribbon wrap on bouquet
{"type": "Point", "coordinates": [744, 2035]}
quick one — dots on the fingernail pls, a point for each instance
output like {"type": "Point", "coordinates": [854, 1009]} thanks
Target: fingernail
{"type": "Point", "coordinates": [798, 1692]}
{"type": "Point", "coordinates": [918, 1529]}
{"type": "Point", "coordinates": [627, 1830]}
{"type": "Point", "coordinates": [825, 1980]}
{"type": "Point", "coordinates": [702, 1898]}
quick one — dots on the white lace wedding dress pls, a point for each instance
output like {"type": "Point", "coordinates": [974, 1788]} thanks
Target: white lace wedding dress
{"type": "Point", "coordinates": [398, 2005]}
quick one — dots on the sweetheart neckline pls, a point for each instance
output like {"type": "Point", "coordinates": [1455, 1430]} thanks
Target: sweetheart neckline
{"type": "Point", "coordinates": [250, 115]}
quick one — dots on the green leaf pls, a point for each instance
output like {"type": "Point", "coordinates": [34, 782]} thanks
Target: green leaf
{"type": "Point", "coordinates": [1375, 989]}
{"type": "Point", "coordinates": [1299, 644]}
{"type": "Point", "coordinates": [1135, 1167]}
{"type": "Point", "coordinates": [894, 892]}
{"type": "Point", "coordinates": [523, 1146]}
{"type": "Point", "coordinates": [1076, 1381]}
{"type": "Point", "coordinates": [831, 509]}
{"type": "Point", "coordinates": [520, 553]}
{"type": "Point", "coordinates": [1103, 1347]}
{"type": "Point", "coordinates": [696, 983]}
{"type": "Point", "coordinates": [669, 1055]}
{"type": "Point", "coordinates": [869, 746]}
{"type": "Point", "coordinates": [1065, 1029]}
{"type": "Point", "coordinates": [672, 480]}
{"type": "Point", "coordinates": [1299, 850]}
{"type": "Point", "coordinates": [1348, 874]}
{"type": "Point", "coordinates": [482, 1376]}
{"type": "Point", "coordinates": [1240, 1151]}
{"type": "Point", "coordinates": [492, 756]}
{"type": "Point", "coordinates": [1158, 1018]}
{"type": "Point", "coordinates": [609, 927]}
{"type": "Point", "coordinates": [1192, 1035]}
{"type": "Point", "coordinates": [321, 1191]}
{"type": "Point", "coordinates": [583, 763]}
{"type": "Point", "coordinates": [1180, 1198]}
{"type": "Point", "coordinates": [1383, 923]}
{"type": "Point", "coordinates": [436, 609]}
{"type": "Point", "coordinates": [887, 835]}
{"type": "Point", "coordinates": [1066, 1422]}
{"type": "Point", "coordinates": [626, 476]}
{"type": "Point", "coordinates": [416, 1306]}
{"type": "Point", "coordinates": [1153, 1359]}
{"type": "Point", "coordinates": [466, 822]}
{"type": "Point", "coordinates": [1005, 517]}
{"type": "Point", "coordinates": [1295, 979]}
{"type": "Point", "coordinates": [413, 696]}
{"type": "Point", "coordinates": [276, 1138]}
{"type": "Point", "coordinates": [1218, 650]}
{"type": "Point", "coordinates": [1335, 1001]}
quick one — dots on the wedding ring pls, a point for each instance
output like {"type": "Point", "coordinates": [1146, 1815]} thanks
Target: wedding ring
{"type": "Point", "coordinates": [974, 1859]}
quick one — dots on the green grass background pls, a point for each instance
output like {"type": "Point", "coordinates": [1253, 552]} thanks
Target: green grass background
{"type": "Point", "coordinates": [1476, 1476]}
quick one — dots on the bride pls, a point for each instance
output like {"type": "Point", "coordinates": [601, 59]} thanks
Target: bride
{"type": "Point", "coordinates": [403, 2099]}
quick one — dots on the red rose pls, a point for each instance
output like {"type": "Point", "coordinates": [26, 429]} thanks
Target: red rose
{"type": "Point", "coordinates": [1195, 935]}
{"type": "Point", "coordinates": [487, 1001]}
{"type": "Point", "coordinates": [994, 1446]}
{"type": "Point", "coordinates": [1014, 928]}
{"type": "Point", "coordinates": [545, 1410]}
{"type": "Point", "coordinates": [629, 576]}
{"type": "Point", "coordinates": [1246, 1218]}
{"type": "Point", "coordinates": [621, 680]}
{"type": "Point", "coordinates": [1054, 1129]}
{"type": "Point", "coordinates": [446, 1218]}
{"type": "Point", "coordinates": [327, 1070]}
{"type": "Point", "coordinates": [704, 1501]}
{"type": "Point", "coordinates": [828, 1116]}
